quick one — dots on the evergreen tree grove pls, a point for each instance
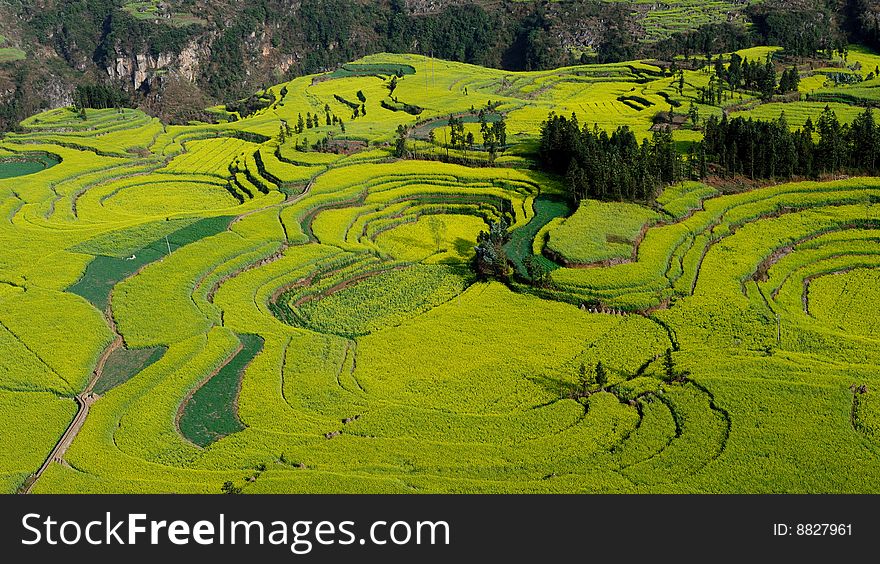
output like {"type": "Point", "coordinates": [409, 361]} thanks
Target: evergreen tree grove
{"type": "Point", "coordinates": [602, 166]}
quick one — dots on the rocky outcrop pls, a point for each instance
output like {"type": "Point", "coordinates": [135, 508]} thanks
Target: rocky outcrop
{"type": "Point", "coordinates": [138, 70]}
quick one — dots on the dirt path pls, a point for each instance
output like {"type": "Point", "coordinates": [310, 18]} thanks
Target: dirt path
{"type": "Point", "coordinates": [87, 397]}
{"type": "Point", "coordinates": [84, 400]}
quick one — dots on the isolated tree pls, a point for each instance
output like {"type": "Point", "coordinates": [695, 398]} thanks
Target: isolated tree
{"type": "Point", "coordinates": [400, 143]}
{"type": "Point", "coordinates": [601, 376]}
{"type": "Point", "coordinates": [438, 230]}
{"type": "Point", "coordinates": [300, 124]}
{"type": "Point", "coordinates": [490, 258]}
{"type": "Point", "coordinates": [583, 380]}
{"type": "Point", "coordinates": [392, 85]}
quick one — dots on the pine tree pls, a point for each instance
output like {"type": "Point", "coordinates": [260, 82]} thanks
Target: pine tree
{"type": "Point", "coordinates": [694, 114]}
{"type": "Point", "coordinates": [583, 380]}
{"type": "Point", "coordinates": [601, 376]}
{"type": "Point", "coordinates": [400, 144]}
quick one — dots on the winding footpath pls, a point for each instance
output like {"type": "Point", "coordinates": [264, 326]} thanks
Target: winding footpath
{"type": "Point", "coordinates": [84, 400]}
{"type": "Point", "coordinates": [87, 397]}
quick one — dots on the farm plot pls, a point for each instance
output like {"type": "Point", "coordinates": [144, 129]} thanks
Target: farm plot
{"type": "Point", "coordinates": [598, 232]}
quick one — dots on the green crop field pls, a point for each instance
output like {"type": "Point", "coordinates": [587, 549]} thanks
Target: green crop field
{"type": "Point", "coordinates": [293, 309]}
{"type": "Point", "coordinates": [9, 54]}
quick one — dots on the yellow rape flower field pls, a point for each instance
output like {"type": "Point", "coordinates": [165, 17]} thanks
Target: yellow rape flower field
{"type": "Point", "coordinates": [292, 309]}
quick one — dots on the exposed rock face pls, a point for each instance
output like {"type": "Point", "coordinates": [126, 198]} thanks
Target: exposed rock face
{"type": "Point", "coordinates": [138, 70]}
{"type": "Point", "coordinates": [57, 93]}
{"type": "Point", "coordinates": [425, 7]}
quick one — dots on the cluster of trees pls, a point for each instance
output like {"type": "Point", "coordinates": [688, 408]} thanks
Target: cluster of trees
{"type": "Point", "coordinates": [490, 259]}
{"type": "Point", "coordinates": [708, 39]}
{"type": "Point", "coordinates": [790, 80]}
{"type": "Point", "coordinates": [458, 138]}
{"type": "Point", "coordinates": [616, 166]}
{"type": "Point", "coordinates": [770, 149]}
{"type": "Point", "coordinates": [285, 130]}
{"type": "Point", "coordinates": [740, 73]}
{"type": "Point", "coordinates": [311, 121]}
{"type": "Point", "coordinates": [602, 166]}
{"type": "Point", "coordinates": [494, 134]}
{"type": "Point", "coordinates": [799, 31]}
{"type": "Point", "coordinates": [250, 105]}
{"type": "Point", "coordinates": [588, 382]}
{"type": "Point", "coordinates": [322, 145]}
{"type": "Point", "coordinates": [861, 22]}
{"type": "Point", "coordinates": [99, 96]}
{"type": "Point", "coordinates": [596, 380]}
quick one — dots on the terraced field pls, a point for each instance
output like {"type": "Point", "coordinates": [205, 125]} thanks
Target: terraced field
{"type": "Point", "coordinates": [191, 305]}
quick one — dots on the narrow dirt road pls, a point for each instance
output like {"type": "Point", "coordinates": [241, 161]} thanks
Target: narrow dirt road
{"type": "Point", "coordinates": [84, 400]}
{"type": "Point", "coordinates": [87, 397]}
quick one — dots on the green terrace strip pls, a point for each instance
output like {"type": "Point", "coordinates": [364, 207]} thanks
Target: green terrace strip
{"type": "Point", "coordinates": [123, 364]}
{"type": "Point", "coordinates": [373, 69]}
{"type": "Point", "coordinates": [522, 241]}
{"type": "Point", "coordinates": [599, 232]}
{"type": "Point", "coordinates": [211, 412]}
{"type": "Point", "coordinates": [27, 163]}
{"type": "Point", "coordinates": [104, 272]}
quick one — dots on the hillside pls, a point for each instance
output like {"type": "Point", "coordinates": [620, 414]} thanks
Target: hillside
{"type": "Point", "coordinates": [204, 52]}
{"type": "Point", "coordinates": [300, 296]}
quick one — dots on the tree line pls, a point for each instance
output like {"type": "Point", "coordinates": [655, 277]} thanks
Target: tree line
{"type": "Point", "coordinates": [99, 96]}
{"type": "Point", "coordinates": [741, 73]}
{"type": "Point", "coordinates": [616, 166]}
{"type": "Point", "coordinates": [772, 150]}
{"type": "Point", "coordinates": [602, 166]}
